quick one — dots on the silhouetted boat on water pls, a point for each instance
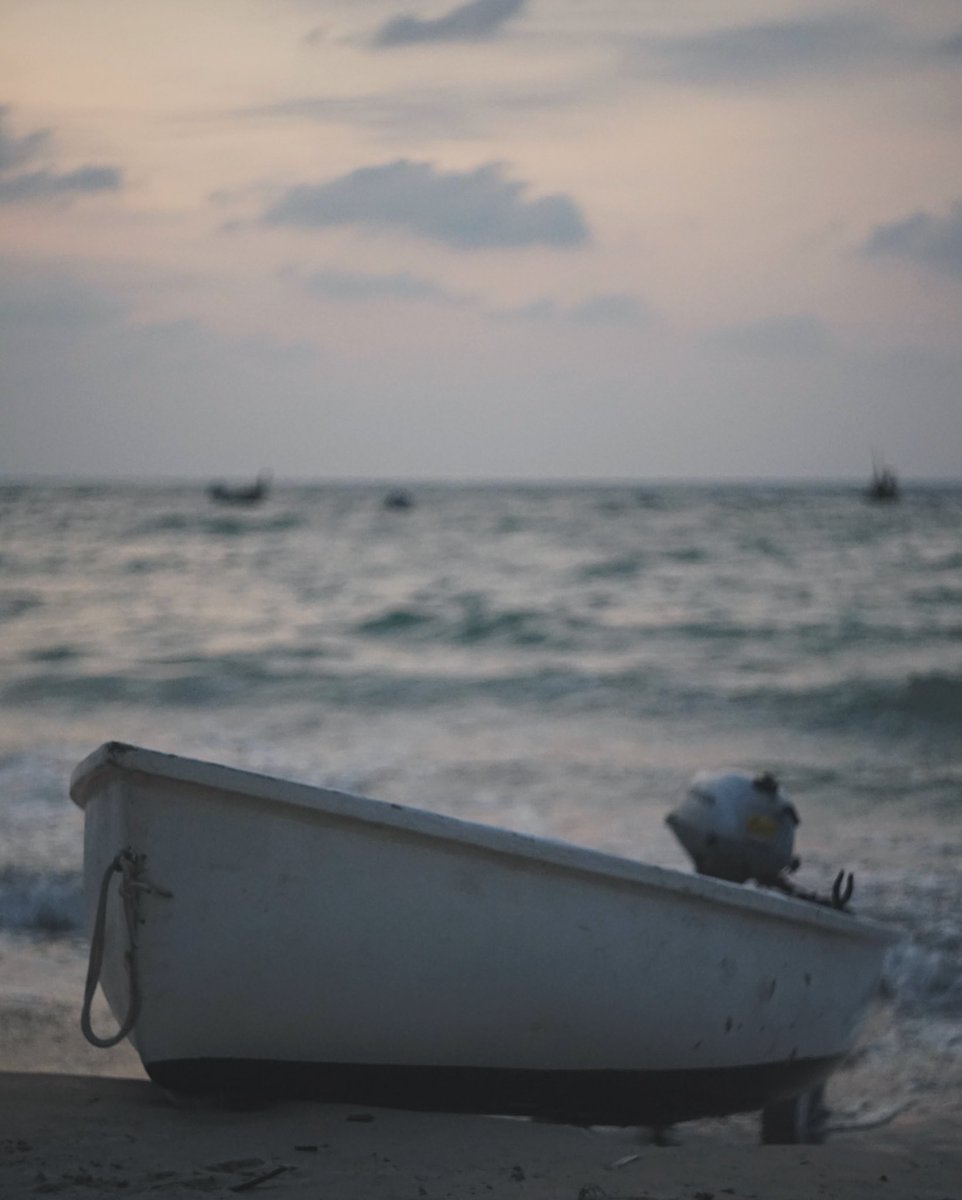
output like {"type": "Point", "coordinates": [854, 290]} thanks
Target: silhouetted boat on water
{"type": "Point", "coordinates": [884, 484]}
{"type": "Point", "coordinates": [398, 499]}
{"type": "Point", "coordinates": [250, 494]}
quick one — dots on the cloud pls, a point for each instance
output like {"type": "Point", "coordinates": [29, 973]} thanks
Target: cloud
{"type": "Point", "coordinates": [467, 23]}
{"type": "Point", "coordinates": [318, 35]}
{"type": "Point", "coordinates": [48, 185]}
{"type": "Point", "coordinates": [467, 209]}
{"type": "Point", "coordinates": [615, 308]}
{"type": "Point", "coordinates": [796, 335]}
{"type": "Point", "coordinates": [44, 184]}
{"type": "Point", "coordinates": [430, 110]}
{"type": "Point", "coordinates": [759, 53]}
{"type": "Point", "coordinates": [342, 285]}
{"type": "Point", "coordinates": [930, 241]}
{"type": "Point", "coordinates": [950, 47]}
{"type": "Point", "coordinates": [424, 112]}
{"type": "Point", "coordinates": [17, 150]}
{"type": "Point", "coordinates": [48, 302]}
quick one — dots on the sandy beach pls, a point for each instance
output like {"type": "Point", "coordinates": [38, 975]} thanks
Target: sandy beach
{"type": "Point", "coordinates": [76, 1135]}
{"type": "Point", "coordinates": [78, 1122]}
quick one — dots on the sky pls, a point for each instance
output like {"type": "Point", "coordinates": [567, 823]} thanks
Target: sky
{"type": "Point", "coordinates": [503, 239]}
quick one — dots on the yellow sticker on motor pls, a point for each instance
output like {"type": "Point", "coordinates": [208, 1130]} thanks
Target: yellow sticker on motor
{"type": "Point", "coordinates": [760, 826]}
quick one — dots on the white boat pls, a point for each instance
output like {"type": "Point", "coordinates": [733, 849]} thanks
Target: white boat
{"type": "Point", "coordinates": [303, 942]}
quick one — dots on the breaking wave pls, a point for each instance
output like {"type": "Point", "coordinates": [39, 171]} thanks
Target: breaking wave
{"type": "Point", "coordinates": [915, 704]}
{"type": "Point", "coordinates": [39, 903]}
{"type": "Point", "coordinates": [470, 621]}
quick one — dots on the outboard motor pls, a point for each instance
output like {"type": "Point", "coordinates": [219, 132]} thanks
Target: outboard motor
{"type": "Point", "coordinates": [737, 826]}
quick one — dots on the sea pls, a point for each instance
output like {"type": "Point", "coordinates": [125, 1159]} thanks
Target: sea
{"type": "Point", "coordinates": [554, 659]}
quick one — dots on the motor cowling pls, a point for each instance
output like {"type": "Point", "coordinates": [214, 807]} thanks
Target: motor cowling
{"type": "Point", "coordinates": [737, 826]}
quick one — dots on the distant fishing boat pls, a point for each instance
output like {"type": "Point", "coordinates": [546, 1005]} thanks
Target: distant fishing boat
{"type": "Point", "coordinates": [398, 499]}
{"type": "Point", "coordinates": [270, 937]}
{"type": "Point", "coordinates": [884, 484]}
{"type": "Point", "coordinates": [247, 494]}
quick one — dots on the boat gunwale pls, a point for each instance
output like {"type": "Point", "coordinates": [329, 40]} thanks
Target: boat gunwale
{"type": "Point", "coordinates": [113, 757]}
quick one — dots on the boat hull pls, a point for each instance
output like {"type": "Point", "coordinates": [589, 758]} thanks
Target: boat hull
{"type": "Point", "coordinates": [324, 945]}
{"type": "Point", "coordinates": [582, 1097]}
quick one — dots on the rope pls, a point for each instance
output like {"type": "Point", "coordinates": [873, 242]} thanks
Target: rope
{"type": "Point", "coordinates": [130, 865]}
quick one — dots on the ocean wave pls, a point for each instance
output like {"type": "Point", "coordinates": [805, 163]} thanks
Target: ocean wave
{"type": "Point", "coordinates": [58, 652]}
{"type": "Point", "coordinates": [624, 567]}
{"type": "Point", "coordinates": [470, 621]}
{"type": "Point", "coordinates": [15, 603]}
{"type": "Point", "coordinates": [218, 524]}
{"type": "Point", "coordinates": [924, 704]}
{"type": "Point", "coordinates": [396, 621]}
{"type": "Point", "coordinates": [918, 702]}
{"type": "Point", "coordinates": [218, 679]}
{"type": "Point", "coordinates": [40, 903]}
{"type": "Point", "coordinates": [686, 554]}
{"type": "Point", "coordinates": [922, 980]}
{"type": "Point", "coordinates": [939, 596]}
{"type": "Point", "coordinates": [935, 697]}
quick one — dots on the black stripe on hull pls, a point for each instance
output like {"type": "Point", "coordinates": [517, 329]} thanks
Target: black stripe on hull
{"type": "Point", "coordinates": [576, 1097]}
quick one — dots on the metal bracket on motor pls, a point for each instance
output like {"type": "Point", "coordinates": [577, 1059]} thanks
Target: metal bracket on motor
{"type": "Point", "coordinates": [842, 890]}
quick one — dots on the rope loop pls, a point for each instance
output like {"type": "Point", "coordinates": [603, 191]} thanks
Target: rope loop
{"type": "Point", "coordinates": [130, 865]}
